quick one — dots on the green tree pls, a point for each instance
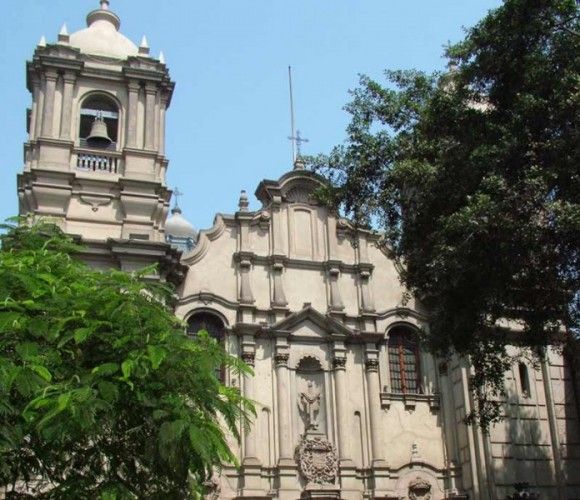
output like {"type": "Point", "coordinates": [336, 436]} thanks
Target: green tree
{"type": "Point", "coordinates": [102, 395]}
{"type": "Point", "coordinates": [474, 176]}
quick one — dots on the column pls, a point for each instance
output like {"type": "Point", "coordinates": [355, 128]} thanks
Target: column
{"type": "Point", "coordinates": [286, 444]}
{"type": "Point", "coordinates": [67, 98]}
{"type": "Point", "coordinates": [150, 95]}
{"type": "Point", "coordinates": [249, 356]}
{"type": "Point", "coordinates": [339, 363]}
{"type": "Point", "coordinates": [373, 387]}
{"type": "Point", "coordinates": [48, 113]}
{"type": "Point", "coordinates": [133, 89]}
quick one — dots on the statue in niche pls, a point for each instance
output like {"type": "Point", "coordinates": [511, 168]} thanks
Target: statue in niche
{"type": "Point", "coordinates": [309, 404]}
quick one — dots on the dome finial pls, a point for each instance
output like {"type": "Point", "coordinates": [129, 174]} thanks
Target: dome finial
{"type": "Point", "coordinates": [104, 14]}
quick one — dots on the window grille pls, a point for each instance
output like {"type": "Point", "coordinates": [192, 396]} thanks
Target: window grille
{"type": "Point", "coordinates": [404, 362]}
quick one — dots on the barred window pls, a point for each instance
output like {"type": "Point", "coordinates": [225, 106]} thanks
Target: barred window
{"type": "Point", "coordinates": [404, 361]}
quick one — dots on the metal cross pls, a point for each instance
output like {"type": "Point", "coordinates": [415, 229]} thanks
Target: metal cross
{"type": "Point", "coordinates": [177, 193]}
{"type": "Point", "coordinates": [298, 141]}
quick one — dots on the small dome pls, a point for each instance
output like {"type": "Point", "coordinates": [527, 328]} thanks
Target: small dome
{"type": "Point", "coordinates": [102, 36]}
{"type": "Point", "coordinates": [178, 226]}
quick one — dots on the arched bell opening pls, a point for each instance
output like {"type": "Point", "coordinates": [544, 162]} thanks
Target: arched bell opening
{"type": "Point", "coordinates": [99, 123]}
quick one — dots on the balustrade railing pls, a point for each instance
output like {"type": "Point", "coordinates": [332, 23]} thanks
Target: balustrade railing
{"type": "Point", "coordinates": [98, 162]}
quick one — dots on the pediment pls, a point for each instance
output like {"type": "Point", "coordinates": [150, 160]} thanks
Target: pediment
{"type": "Point", "coordinates": [310, 323]}
{"type": "Point", "coordinates": [296, 186]}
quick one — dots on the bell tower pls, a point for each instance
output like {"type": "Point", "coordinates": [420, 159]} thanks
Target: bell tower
{"type": "Point", "coordinates": [95, 157]}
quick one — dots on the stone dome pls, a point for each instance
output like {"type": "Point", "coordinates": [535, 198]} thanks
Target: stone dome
{"type": "Point", "coordinates": [177, 226]}
{"type": "Point", "coordinates": [102, 36]}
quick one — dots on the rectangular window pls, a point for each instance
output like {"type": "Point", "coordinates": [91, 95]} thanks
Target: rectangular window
{"type": "Point", "coordinates": [404, 363]}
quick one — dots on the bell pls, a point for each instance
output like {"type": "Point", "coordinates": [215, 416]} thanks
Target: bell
{"type": "Point", "coordinates": [98, 138]}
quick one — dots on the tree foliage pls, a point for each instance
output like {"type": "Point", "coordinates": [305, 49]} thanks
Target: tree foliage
{"type": "Point", "coordinates": [102, 395]}
{"type": "Point", "coordinates": [474, 176]}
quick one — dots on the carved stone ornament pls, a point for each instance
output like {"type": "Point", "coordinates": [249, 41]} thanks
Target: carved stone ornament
{"type": "Point", "coordinates": [339, 363]}
{"type": "Point", "coordinates": [317, 459]}
{"type": "Point", "coordinates": [372, 365]}
{"type": "Point", "coordinates": [249, 358]}
{"type": "Point", "coordinates": [299, 194]}
{"type": "Point", "coordinates": [419, 489]}
{"type": "Point", "coordinates": [281, 359]}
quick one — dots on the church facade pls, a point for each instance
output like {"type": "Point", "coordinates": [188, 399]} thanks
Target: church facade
{"type": "Point", "coordinates": [348, 404]}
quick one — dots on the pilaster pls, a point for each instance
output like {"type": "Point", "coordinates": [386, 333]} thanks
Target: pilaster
{"type": "Point", "coordinates": [40, 107]}
{"type": "Point", "coordinates": [34, 114]}
{"type": "Point", "coordinates": [347, 468]}
{"type": "Point", "coordinates": [69, 80]}
{"type": "Point", "coordinates": [164, 102]}
{"type": "Point", "coordinates": [276, 271]}
{"type": "Point", "coordinates": [366, 300]}
{"type": "Point", "coordinates": [51, 76]}
{"type": "Point", "coordinates": [133, 92]}
{"type": "Point", "coordinates": [333, 273]}
{"type": "Point", "coordinates": [251, 465]}
{"type": "Point", "coordinates": [150, 97]}
{"type": "Point", "coordinates": [379, 465]}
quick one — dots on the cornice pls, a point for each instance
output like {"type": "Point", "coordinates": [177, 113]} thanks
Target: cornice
{"type": "Point", "coordinates": [207, 298]}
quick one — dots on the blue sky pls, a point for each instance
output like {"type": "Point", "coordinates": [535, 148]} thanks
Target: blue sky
{"type": "Point", "coordinates": [229, 119]}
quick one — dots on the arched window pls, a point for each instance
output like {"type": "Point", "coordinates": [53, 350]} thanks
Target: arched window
{"type": "Point", "coordinates": [206, 321]}
{"type": "Point", "coordinates": [404, 361]}
{"type": "Point", "coordinates": [524, 380]}
{"type": "Point", "coordinates": [99, 108]}
{"type": "Point", "coordinates": [214, 326]}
